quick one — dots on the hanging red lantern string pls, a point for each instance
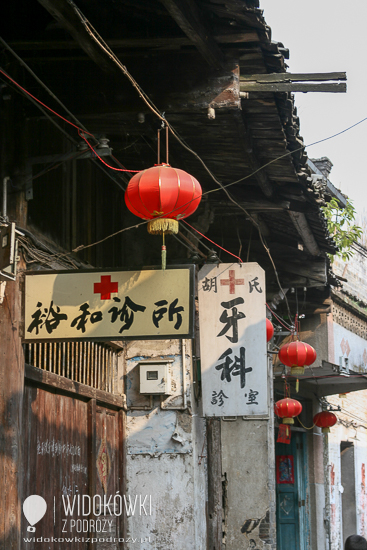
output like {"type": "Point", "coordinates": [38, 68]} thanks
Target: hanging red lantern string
{"type": "Point", "coordinates": [287, 409]}
{"type": "Point", "coordinates": [163, 195]}
{"type": "Point", "coordinates": [325, 420]}
{"type": "Point", "coordinates": [297, 355]}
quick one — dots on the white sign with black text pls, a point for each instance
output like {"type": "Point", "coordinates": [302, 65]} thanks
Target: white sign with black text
{"type": "Point", "coordinates": [233, 345]}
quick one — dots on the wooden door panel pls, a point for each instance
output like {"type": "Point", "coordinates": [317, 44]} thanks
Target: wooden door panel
{"type": "Point", "coordinates": [60, 463]}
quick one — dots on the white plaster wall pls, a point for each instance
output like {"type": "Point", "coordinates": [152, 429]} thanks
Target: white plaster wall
{"type": "Point", "coordinates": [164, 446]}
{"type": "Point", "coordinates": [360, 472]}
{"type": "Point", "coordinates": [245, 465]}
{"type": "Point", "coordinates": [176, 522]}
{"type": "Point", "coordinates": [353, 415]}
{"type": "Point", "coordinates": [335, 490]}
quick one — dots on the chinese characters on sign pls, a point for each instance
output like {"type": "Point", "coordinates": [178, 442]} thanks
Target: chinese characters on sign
{"type": "Point", "coordinates": [233, 340]}
{"type": "Point", "coordinates": [129, 304]}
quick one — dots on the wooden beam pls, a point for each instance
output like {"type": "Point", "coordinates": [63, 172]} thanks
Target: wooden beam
{"type": "Point", "coordinates": [261, 205]}
{"type": "Point", "coordinates": [67, 14]}
{"type": "Point", "coordinates": [336, 87]}
{"type": "Point", "coordinates": [134, 43]}
{"type": "Point", "coordinates": [186, 14]}
{"type": "Point", "coordinates": [293, 77]}
{"type": "Point", "coordinates": [256, 166]}
{"type": "Point", "coordinates": [70, 387]}
{"type": "Point", "coordinates": [300, 223]}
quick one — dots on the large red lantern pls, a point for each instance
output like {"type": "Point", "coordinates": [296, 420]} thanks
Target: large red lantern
{"type": "Point", "coordinates": [297, 355]}
{"type": "Point", "coordinates": [269, 330]}
{"type": "Point", "coordinates": [163, 195]}
{"type": "Point", "coordinates": [287, 409]}
{"type": "Point", "coordinates": [325, 420]}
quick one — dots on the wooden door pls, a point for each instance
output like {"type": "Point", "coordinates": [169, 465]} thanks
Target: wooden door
{"type": "Point", "coordinates": [72, 458]}
{"type": "Point", "coordinates": [291, 509]}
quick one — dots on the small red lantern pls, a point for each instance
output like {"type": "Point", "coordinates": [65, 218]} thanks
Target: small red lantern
{"type": "Point", "coordinates": [325, 420]}
{"type": "Point", "coordinates": [296, 355]}
{"type": "Point", "coordinates": [269, 330]}
{"type": "Point", "coordinates": [287, 409]}
{"type": "Point", "coordinates": [163, 195]}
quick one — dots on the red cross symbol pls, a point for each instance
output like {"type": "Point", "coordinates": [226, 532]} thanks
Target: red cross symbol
{"type": "Point", "coordinates": [232, 282]}
{"type": "Point", "coordinates": [105, 287]}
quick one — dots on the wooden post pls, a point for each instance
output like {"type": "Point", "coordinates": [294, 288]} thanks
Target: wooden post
{"type": "Point", "coordinates": [122, 471]}
{"type": "Point", "coordinates": [92, 452]}
{"type": "Point", "coordinates": [11, 351]}
{"type": "Point", "coordinates": [215, 493]}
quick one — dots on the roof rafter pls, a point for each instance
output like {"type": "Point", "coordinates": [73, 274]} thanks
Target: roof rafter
{"type": "Point", "coordinates": [187, 16]}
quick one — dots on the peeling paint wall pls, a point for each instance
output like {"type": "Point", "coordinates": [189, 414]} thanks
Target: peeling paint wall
{"type": "Point", "coordinates": [354, 432]}
{"type": "Point", "coordinates": [165, 438]}
{"type": "Point", "coordinates": [248, 467]}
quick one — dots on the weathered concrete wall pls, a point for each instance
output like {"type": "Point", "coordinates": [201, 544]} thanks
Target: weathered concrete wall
{"type": "Point", "coordinates": [334, 472]}
{"type": "Point", "coordinates": [352, 428]}
{"type": "Point", "coordinates": [248, 467]}
{"type": "Point", "coordinates": [244, 463]}
{"type": "Point", "coordinates": [165, 437]}
{"type": "Point", "coordinates": [316, 486]}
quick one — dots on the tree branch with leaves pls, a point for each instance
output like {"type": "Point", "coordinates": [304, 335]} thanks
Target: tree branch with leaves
{"type": "Point", "coordinates": [341, 226]}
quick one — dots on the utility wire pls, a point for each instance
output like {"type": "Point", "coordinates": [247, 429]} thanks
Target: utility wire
{"type": "Point", "coordinates": [99, 40]}
{"type": "Point", "coordinates": [37, 103]}
{"type": "Point", "coordinates": [24, 64]}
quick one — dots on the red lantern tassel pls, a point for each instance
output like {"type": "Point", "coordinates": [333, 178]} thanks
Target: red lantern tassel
{"type": "Point", "coordinates": [164, 255]}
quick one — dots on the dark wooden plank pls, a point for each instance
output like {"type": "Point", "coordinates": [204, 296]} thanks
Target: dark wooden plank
{"type": "Point", "coordinates": [122, 472]}
{"type": "Point", "coordinates": [293, 77]}
{"type": "Point", "coordinates": [134, 43]}
{"type": "Point", "coordinates": [186, 15]}
{"type": "Point", "coordinates": [337, 87]}
{"type": "Point", "coordinates": [300, 223]}
{"type": "Point", "coordinates": [11, 398]}
{"type": "Point", "coordinates": [66, 14]}
{"type": "Point", "coordinates": [63, 384]}
{"type": "Point", "coordinates": [215, 491]}
{"type": "Point", "coordinates": [92, 454]}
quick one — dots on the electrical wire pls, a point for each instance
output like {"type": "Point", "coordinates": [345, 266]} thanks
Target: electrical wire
{"type": "Point", "coordinates": [193, 235]}
{"type": "Point", "coordinates": [68, 136]}
{"type": "Point", "coordinates": [24, 64]}
{"type": "Point", "coordinates": [100, 158]}
{"type": "Point", "coordinates": [280, 320]}
{"type": "Point", "coordinates": [207, 238]}
{"type": "Point", "coordinates": [102, 44]}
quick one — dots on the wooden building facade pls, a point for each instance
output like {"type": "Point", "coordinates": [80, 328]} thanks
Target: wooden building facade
{"type": "Point", "coordinates": [87, 91]}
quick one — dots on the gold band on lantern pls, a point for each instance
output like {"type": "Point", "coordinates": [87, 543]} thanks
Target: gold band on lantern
{"type": "Point", "coordinates": [163, 225]}
{"type": "Point", "coordinates": [297, 370]}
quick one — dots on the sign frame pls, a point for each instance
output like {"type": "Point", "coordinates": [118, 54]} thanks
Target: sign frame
{"type": "Point", "coordinates": [234, 360]}
{"type": "Point", "coordinates": [189, 335]}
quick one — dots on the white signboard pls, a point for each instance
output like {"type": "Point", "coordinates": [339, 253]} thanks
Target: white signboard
{"type": "Point", "coordinates": [233, 340]}
{"type": "Point", "coordinates": [109, 305]}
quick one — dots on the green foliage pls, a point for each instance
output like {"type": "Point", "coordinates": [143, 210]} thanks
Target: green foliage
{"type": "Point", "coordinates": [341, 227]}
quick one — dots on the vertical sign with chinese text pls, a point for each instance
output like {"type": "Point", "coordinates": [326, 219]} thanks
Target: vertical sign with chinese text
{"type": "Point", "coordinates": [233, 340]}
{"type": "Point", "coordinates": [109, 305]}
